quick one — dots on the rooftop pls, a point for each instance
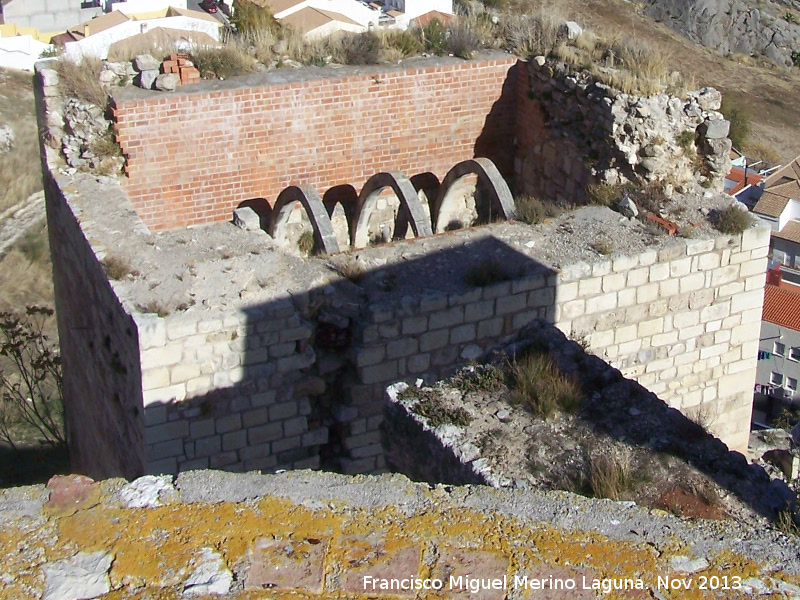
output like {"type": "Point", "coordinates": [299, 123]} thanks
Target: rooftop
{"type": "Point", "coordinates": [782, 306]}
{"type": "Point", "coordinates": [738, 175]}
{"type": "Point", "coordinates": [790, 232]}
{"type": "Point", "coordinates": [310, 18]}
{"type": "Point", "coordinates": [780, 187]}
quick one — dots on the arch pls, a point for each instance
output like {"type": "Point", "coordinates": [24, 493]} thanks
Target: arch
{"type": "Point", "coordinates": [340, 202]}
{"type": "Point", "coordinates": [306, 195]}
{"type": "Point", "coordinates": [488, 176]}
{"type": "Point", "coordinates": [403, 188]}
{"type": "Point", "coordinates": [261, 207]}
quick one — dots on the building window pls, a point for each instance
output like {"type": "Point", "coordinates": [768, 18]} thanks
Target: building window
{"type": "Point", "coordinates": [794, 353]}
{"type": "Point", "coordinates": [791, 384]}
{"type": "Point", "coordinates": [776, 378]}
{"type": "Point", "coordinates": [778, 349]}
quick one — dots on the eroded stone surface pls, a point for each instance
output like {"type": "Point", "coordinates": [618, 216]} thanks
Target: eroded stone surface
{"type": "Point", "coordinates": [83, 576]}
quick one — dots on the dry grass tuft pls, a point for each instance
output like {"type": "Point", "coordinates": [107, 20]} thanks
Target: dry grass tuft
{"type": "Point", "coordinates": [82, 80]}
{"type": "Point", "coordinates": [226, 61]}
{"type": "Point", "coordinates": [542, 388]}
{"type": "Point", "coordinates": [117, 268]}
{"type": "Point", "coordinates": [732, 220]}
{"type": "Point", "coordinates": [610, 475]}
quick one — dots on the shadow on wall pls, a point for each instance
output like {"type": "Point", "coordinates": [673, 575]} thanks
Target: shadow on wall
{"type": "Point", "coordinates": [614, 407]}
{"type": "Point", "coordinates": [308, 389]}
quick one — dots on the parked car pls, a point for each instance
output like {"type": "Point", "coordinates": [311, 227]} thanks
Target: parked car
{"type": "Point", "coordinates": [210, 6]}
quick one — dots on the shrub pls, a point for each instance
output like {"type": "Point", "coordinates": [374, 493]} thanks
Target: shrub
{"type": "Point", "coordinates": [431, 408]}
{"type": "Point", "coordinates": [250, 18]}
{"type": "Point", "coordinates": [603, 246]}
{"type": "Point", "coordinates": [223, 62]}
{"type": "Point", "coordinates": [603, 194]}
{"type": "Point", "coordinates": [156, 307]}
{"type": "Point", "coordinates": [685, 139]}
{"type": "Point", "coordinates": [31, 394]}
{"type": "Point", "coordinates": [117, 268]}
{"type": "Point", "coordinates": [462, 41]}
{"type": "Point", "coordinates": [542, 388]}
{"type": "Point", "coordinates": [732, 220]}
{"type": "Point", "coordinates": [306, 243]}
{"type": "Point", "coordinates": [434, 37]}
{"type": "Point", "coordinates": [740, 123]}
{"type": "Point", "coordinates": [360, 48]}
{"type": "Point", "coordinates": [82, 80]}
{"type": "Point", "coordinates": [526, 35]}
{"type": "Point", "coordinates": [530, 210]}
{"type": "Point", "coordinates": [405, 42]}
{"type": "Point", "coordinates": [487, 272]}
{"type": "Point", "coordinates": [480, 379]}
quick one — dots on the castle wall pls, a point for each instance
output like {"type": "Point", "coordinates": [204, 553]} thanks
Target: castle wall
{"type": "Point", "coordinates": [102, 381]}
{"type": "Point", "coordinates": [683, 321]}
{"type": "Point", "coordinates": [324, 129]}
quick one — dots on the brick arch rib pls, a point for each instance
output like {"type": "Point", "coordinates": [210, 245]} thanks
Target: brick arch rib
{"type": "Point", "coordinates": [488, 176]}
{"type": "Point", "coordinates": [307, 196]}
{"type": "Point", "coordinates": [367, 199]}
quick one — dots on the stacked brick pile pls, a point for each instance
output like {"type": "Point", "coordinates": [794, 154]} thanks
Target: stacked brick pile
{"type": "Point", "coordinates": [180, 65]}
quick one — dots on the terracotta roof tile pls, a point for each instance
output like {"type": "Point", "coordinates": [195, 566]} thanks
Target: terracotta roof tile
{"type": "Point", "coordinates": [308, 19]}
{"type": "Point", "coordinates": [790, 231]}
{"type": "Point", "coordinates": [426, 18]}
{"type": "Point", "coordinates": [737, 175]}
{"type": "Point", "coordinates": [782, 307]}
{"type": "Point", "coordinates": [770, 204]}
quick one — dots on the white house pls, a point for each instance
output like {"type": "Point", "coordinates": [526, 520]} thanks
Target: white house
{"type": "Point", "coordinates": [779, 208]}
{"type": "Point", "coordinates": [353, 10]}
{"type": "Point", "coordinates": [316, 23]}
{"type": "Point", "coordinates": [135, 7]}
{"type": "Point", "coordinates": [20, 51]}
{"type": "Point", "coordinates": [414, 8]}
{"type": "Point", "coordinates": [95, 37]}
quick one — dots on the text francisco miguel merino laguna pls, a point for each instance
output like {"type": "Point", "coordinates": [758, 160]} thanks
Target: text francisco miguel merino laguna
{"type": "Point", "coordinates": [475, 584]}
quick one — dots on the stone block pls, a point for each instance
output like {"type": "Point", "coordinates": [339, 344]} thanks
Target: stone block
{"type": "Point", "coordinates": [691, 283]}
{"type": "Point", "coordinates": [694, 247]}
{"type": "Point", "coordinates": [402, 347]}
{"type": "Point", "coordinates": [479, 311]}
{"type": "Point", "coordinates": [226, 459]}
{"type": "Point", "coordinates": [152, 330]}
{"type": "Point", "coordinates": [164, 356]}
{"type": "Point", "coordinates": [264, 433]}
{"type": "Point", "coordinates": [755, 238]}
{"type": "Point", "coordinates": [155, 378]}
{"type": "Point", "coordinates": [234, 440]}
{"type": "Point", "coordinates": [165, 395]}
{"type": "Point", "coordinates": [623, 264]}
{"type": "Point", "coordinates": [370, 356]}
{"type": "Point", "coordinates": [286, 444]}
{"type": "Point", "coordinates": [659, 272]}
{"type": "Point", "coordinates": [724, 275]}
{"type": "Point", "coordinates": [491, 328]}
{"type": "Point", "coordinates": [164, 450]}
{"type": "Point", "coordinates": [316, 437]}
{"type": "Point", "coordinates": [647, 293]}
{"type": "Point", "coordinates": [435, 340]}
{"type": "Point", "coordinates": [283, 410]}
{"type": "Point", "coordinates": [614, 282]}
{"type": "Point", "coordinates": [590, 287]}
{"type": "Point", "coordinates": [167, 466]}
{"type": "Point", "coordinates": [709, 261]}
{"type": "Point", "coordinates": [527, 284]}
{"type": "Point", "coordinates": [650, 327]}
{"type": "Point", "coordinates": [637, 277]}
{"type": "Point", "coordinates": [228, 423]}
{"type": "Point", "coordinates": [181, 373]}
{"type": "Point", "coordinates": [416, 324]}
{"type": "Point", "coordinates": [462, 334]}
{"type": "Point", "coordinates": [753, 299]}
{"type": "Point", "coordinates": [566, 291]}
{"type": "Point", "coordinates": [465, 297]}
{"type": "Point", "coordinates": [446, 318]}
{"type": "Point", "coordinates": [208, 446]}
{"type": "Point", "coordinates": [680, 267]}
{"type": "Point", "coordinates": [180, 327]}
{"type": "Point", "coordinates": [572, 309]}
{"type": "Point", "coordinates": [497, 290]}
{"type": "Point", "coordinates": [361, 465]}
{"type": "Point", "coordinates": [295, 426]}
{"type": "Point", "coordinates": [602, 303]}
{"type": "Point", "coordinates": [542, 297]}
{"type": "Point", "coordinates": [518, 321]}
{"type": "Point", "coordinates": [382, 373]}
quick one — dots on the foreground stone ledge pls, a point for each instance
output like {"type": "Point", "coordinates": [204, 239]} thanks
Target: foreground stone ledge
{"type": "Point", "coordinates": [217, 534]}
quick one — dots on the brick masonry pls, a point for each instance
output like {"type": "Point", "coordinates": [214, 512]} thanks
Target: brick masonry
{"type": "Point", "coordinates": [326, 130]}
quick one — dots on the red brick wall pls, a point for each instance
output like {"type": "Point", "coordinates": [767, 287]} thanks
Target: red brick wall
{"type": "Point", "coordinates": [193, 157]}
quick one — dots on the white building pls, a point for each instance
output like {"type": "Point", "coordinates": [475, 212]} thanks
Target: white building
{"type": "Point", "coordinates": [95, 37]}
